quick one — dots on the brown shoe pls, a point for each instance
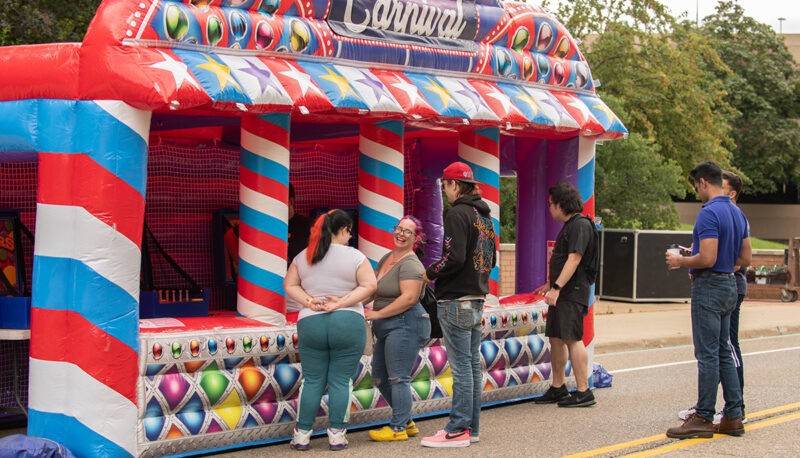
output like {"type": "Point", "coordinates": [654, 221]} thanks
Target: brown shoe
{"type": "Point", "coordinates": [730, 426]}
{"type": "Point", "coordinates": [694, 426]}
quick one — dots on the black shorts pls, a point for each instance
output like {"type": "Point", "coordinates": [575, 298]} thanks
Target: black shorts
{"type": "Point", "coordinates": [565, 321]}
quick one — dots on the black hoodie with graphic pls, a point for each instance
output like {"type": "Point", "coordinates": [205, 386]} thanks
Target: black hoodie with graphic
{"type": "Point", "coordinates": [468, 250]}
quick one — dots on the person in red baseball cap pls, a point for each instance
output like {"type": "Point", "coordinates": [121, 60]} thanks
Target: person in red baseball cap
{"type": "Point", "coordinates": [462, 283]}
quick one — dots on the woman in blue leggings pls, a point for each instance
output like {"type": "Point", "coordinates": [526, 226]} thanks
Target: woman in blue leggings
{"type": "Point", "coordinates": [331, 279]}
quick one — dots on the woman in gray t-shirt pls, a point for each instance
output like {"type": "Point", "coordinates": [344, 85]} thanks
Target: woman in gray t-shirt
{"type": "Point", "coordinates": [401, 327]}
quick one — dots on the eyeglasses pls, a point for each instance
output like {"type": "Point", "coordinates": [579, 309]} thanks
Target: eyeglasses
{"type": "Point", "coordinates": [406, 232]}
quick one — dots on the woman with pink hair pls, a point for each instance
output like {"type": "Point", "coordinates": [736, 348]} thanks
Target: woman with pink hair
{"type": "Point", "coordinates": [401, 327]}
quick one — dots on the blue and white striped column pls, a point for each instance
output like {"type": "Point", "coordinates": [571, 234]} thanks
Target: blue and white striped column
{"type": "Point", "coordinates": [263, 217]}
{"type": "Point", "coordinates": [586, 167]}
{"type": "Point", "coordinates": [480, 149]}
{"type": "Point", "coordinates": [87, 259]}
{"type": "Point", "coordinates": [380, 187]}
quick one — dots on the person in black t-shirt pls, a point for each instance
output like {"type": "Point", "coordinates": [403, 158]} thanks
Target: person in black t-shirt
{"type": "Point", "coordinates": [567, 294]}
{"type": "Point", "coordinates": [299, 229]}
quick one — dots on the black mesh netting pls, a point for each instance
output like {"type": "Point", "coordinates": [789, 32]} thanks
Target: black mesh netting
{"type": "Point", "coordinates": [186, 183]}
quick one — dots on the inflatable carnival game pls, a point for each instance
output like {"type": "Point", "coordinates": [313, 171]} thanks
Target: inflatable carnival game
{"type": "Point", "coordinates": [120, 153]}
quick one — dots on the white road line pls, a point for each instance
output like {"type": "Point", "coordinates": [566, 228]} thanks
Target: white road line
{"type": "Point", "coordinates": [627, 352]}
{"type": "Point", "coordinates": [655, 366]}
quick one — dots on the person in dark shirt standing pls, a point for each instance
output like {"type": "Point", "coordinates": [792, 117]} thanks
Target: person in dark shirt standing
{"type": "Point", "coordinates": [299, 229]}
{"type": "Point", "coordinates": [732, 186]}
{"type": "Point", "coordinates": [567, 294]}
{"type": "Point", "coordinates": [720, 242]}
{"type": "Point", "coordinates": [462, 282]}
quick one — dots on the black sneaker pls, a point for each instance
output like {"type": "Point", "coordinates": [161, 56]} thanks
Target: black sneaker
{"type": "Point", "coordinates": [553, 395]}
{"type": "Point", "coordinates": [579, 399]}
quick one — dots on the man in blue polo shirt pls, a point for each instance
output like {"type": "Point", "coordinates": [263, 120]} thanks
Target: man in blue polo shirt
{"type": "Point", "coordinates": [720, 242]}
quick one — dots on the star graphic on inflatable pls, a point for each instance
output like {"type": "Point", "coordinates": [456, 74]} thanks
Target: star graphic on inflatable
{"type": "Point", "coordinates": [580, 106]}
{"type": "Point", "coordinates": [179, 70]}
{"type": "Point", "coordinates": [441, 92]}
{"type": "Point", "coordinates": [529, 100]}
{"type": "Point", "coordinates": [340, 82]}
{"type": "Point", "coordinates": [222, 73]}
{"type": "Point", "coordinates": [504, 100]}
{"type": "Point", "coordinates": [410, 90]}
{"type": "Point", "coordinates": [302, 79]}
{"type": "Point", "coordinates": [262, 75]}
{"type": "Point", "coordinates": [604, 108]}
{"type": "Point", "coordinates": [551, 108]}
{"type": "Point", "coordinates": [469, 94]}
{"type": "Point", "coordinates": [375, 86]}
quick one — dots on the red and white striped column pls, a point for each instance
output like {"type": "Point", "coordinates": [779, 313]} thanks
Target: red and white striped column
{"type": "Point", "coordinates": [87, 258]}
{"type": "Point", "coordinates": [263, 217]}
{"type": "Point", "coordinates": [380, 187]}
{"type": "Point", "coordinates": [480, 149]}
{"type": "Point", "coordinates": [586, 167]}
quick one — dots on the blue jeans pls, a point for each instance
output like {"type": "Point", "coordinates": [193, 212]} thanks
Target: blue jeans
{"type": "Point", "coordinates": [461, 326]}
{"type": "Point", "coordinates": [399, 339]}
{"type": "Point", "coordinates": [737, 351]}
{"type": "Point", "coordinates": [713, 301]}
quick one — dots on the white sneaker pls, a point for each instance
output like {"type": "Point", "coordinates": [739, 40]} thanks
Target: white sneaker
{"type": "Point", "coordinates": [718, 418]}
{"type": "Point", "coordinates": [473, 439]}
{"type": "Point", "coordinates": [337, 438]}
{"type": "Point", "coordinates": [301, 439]}
{"type": "Point", "coordinates": [685, 414]}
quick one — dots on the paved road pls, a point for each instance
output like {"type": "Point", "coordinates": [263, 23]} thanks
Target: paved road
{"type": "Point", "coordinates": [649, 388]}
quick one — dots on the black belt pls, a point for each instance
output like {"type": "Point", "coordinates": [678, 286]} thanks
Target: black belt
{"type": "Point", "coordinates": [711, 273]}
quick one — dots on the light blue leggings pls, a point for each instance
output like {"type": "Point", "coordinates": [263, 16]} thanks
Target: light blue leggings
{"type": "Point", "coordinates": [330, 346]}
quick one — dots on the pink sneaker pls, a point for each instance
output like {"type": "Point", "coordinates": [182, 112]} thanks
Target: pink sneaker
{"type": "Point", "coordinates": [445, 439]}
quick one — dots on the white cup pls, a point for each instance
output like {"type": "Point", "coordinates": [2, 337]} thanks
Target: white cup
{"type": "Point", "coordinates": [676, 251]}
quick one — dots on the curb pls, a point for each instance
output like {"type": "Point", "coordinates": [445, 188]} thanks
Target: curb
{"type": "Point", "coordinates": [672, 341]}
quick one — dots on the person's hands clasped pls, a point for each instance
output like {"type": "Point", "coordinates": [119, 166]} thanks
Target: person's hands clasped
{"type": "Point", "coordinates": [332, 303]}
{"type": "Point", "coordinates": [316, 305]}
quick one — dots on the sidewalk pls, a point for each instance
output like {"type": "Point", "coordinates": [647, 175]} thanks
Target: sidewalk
{"type": "Point", "coordinates": [621, 326]}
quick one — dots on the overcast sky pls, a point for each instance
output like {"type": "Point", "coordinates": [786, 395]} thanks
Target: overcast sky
{"type": "Point", "coordinates": [766, 11]}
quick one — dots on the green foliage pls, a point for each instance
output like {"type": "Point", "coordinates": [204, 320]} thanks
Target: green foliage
{"type": "Point", "coordinates": [662, 73]}
{"type": "Point", "coordinates": [44, 21]}
{"type": "Point", "coordinates": [662, 78]}
{"type": "Point", "coordinates": [508, 209]}
{"type": "Point", "coordinates": [633, 184]}
{"type": "Point", "coordinates": [764, 86]}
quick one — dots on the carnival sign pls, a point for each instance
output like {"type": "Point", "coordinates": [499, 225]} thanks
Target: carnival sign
{"type": "Point", "coordinates": [442, 24]}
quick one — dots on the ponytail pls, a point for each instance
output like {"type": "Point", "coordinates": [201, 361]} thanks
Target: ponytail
{"type": "Point", "coordinates": [319, 240]}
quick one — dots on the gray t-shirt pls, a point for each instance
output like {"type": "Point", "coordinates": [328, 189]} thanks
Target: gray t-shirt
{"type": "Point", "coordinates": [408, 268]}
{"type": "Point", "coordinates": [333, 275]}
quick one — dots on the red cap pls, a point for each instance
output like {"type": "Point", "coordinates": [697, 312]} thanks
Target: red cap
{"type": "Point", "coordinates": [458, 171]}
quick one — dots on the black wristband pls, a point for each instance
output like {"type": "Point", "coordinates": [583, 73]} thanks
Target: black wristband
{"type": "Point", "coordinates": [556, 286]}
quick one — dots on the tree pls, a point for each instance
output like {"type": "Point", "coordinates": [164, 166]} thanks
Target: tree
{"type": "Point", "coordinates": [764, 86]}
{"type": "Point", "coordinates": [44, 21]}
{"type": "Point", "coordinates": [508, 209]}
{"type": "Point", "coordinates": [634, 184]}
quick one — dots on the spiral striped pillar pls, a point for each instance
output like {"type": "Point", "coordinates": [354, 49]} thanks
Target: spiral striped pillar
{"type": "Point", "coordinates": [87, 259]}
{"type": "Point", "coordinates": [480, 149]}
{"type": "Point", "coordinates": [380, 186]}
{"type": "Point", "coordinates": [263, 217]}
{"type": "Point", "coordinates": [586, 166]}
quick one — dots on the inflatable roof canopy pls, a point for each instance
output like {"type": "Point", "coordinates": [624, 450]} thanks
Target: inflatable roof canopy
{"type": "Point", "coordinates": [454, 62]}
